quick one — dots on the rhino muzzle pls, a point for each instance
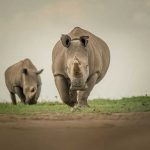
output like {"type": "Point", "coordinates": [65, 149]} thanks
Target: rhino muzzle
{"type": "Point", "coordinates": [31, 100]}
{"type": "Point", "coordinates": [78, 86]}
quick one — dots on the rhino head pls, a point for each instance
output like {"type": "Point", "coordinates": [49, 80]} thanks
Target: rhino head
{"type": "Point", "coordinates": [77, 65]}
{"type": "Point", "coordinates": [31, 84]}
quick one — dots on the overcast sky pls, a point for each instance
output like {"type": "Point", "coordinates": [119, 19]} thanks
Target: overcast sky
{"type": "Point", "coordinates": [30, 29]}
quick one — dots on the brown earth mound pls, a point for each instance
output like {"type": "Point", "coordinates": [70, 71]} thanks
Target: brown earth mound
{"type": "Point", "coordinates": [121, 131]}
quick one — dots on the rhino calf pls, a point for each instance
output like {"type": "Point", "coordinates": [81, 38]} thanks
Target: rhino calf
{"type": "Point", "coordinates": [23, 80]}
{"type": "Point", "coordinates": [79, 61]}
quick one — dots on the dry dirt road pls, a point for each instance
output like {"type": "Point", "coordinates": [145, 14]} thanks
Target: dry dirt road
{"type": "Point", "coordinates": [128, 131]}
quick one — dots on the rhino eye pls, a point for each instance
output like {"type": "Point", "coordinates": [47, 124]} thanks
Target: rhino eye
{"type": "Point", "coordinates": [67, 68]}
{"type": "Point", "coordinates": [87, 66]}
{"type": "Point", "coordinates": [26, 89]}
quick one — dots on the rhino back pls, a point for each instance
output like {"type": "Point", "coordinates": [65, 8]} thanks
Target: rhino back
{"type": "Point", "coordinates": [99, 55]}
{"type": "Point", "coordinates": [13, 74]}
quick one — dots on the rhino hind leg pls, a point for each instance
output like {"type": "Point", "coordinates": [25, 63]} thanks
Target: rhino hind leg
{"type": "Point", "coordinates": [13, 98]}
{"type": "Point", "coordinates": [20, 94]}
{"type": "Point", "coordinates": [83, 95]}
{"type": "Point", "coordinates": [63, 89]}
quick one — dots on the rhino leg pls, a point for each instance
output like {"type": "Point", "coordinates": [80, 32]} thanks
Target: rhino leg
{"type": "Point", "coordinates": [83, 95]}
{"type": "Point", "coordinates": [38, 93]}
{"type": "Point", "coordinates": [19, 92]}
{"type": "Point", "coordinates": [63, 89]}
{"type": "Point", "coordinates": [73, 96]}
{"type": "Point", "coordinates": [13, 98]}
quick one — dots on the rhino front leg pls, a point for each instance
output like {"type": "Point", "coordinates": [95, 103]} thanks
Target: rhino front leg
{"type": "Point", "coordinates": [19, 92]}
{"type": "Point", "coordinates": [63, 89]}
{"type": "Point", "coordinates": [38, 93]}
{"type": "Point", "coordinates": [73, 96]}
{"type": "Point", "coordinates": [13, 98]}
{"type": "Point", "coordinates": [83, 95]}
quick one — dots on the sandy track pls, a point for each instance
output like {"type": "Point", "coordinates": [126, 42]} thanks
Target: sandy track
{"type": "Point", "coordinates": [128, 131]}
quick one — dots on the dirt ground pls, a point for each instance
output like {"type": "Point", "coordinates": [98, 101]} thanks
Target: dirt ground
{"type": "Point", "coordinates": [120, 131]}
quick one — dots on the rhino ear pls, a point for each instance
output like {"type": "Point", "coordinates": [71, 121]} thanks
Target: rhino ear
{"type": "Point", "coordinates": [66, 40]}
{"type": "Point", "coordinates": [25, 71]}
{"type": "Point", "coordinates": [39, 72]}
{"type": "Point", "coordinates": [84, 40]}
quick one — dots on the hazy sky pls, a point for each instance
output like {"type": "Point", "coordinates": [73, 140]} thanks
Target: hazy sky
{"type": "Point", "coordinates": [30, 29]}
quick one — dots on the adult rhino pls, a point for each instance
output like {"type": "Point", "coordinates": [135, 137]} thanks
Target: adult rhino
{"type": "Point", "coordinates": [23, 79]}
{"type": "Point", "coordinates": [79, 61]}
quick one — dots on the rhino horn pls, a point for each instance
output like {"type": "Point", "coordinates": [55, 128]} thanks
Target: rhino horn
{"type": "Point", "coordinates": [76, 67]}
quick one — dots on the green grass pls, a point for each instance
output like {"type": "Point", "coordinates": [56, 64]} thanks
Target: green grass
{"type": "Point", "coordinates": [133, 104]}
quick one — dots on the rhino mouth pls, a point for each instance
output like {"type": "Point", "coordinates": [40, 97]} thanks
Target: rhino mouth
{"type": "Point", "coordinates": [78, 87]}
{"type": "Point", "coordinates": [31, 101]}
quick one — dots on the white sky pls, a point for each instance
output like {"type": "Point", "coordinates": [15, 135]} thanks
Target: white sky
{"type": "Point", "coordinates": [30, 29]}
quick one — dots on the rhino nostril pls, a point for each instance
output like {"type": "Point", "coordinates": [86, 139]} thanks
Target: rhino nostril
{"type": "Point", "coordinates": [32, 90]}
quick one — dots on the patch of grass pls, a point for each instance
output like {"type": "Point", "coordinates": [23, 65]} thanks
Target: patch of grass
{"type": "Point", "coordinates": [33, 109]}
{"type": "Point", "coordinates": [132, 104]}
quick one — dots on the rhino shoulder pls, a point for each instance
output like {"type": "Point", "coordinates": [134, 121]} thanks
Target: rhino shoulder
{"type": "Point", "coordinates": [77, 32]}
{"type": "Point", "coordinates": [58, 59]}
{"type": "Point", "coordinates": [27, 63]}
{"type": "Point", "coordinates": [27, 60]}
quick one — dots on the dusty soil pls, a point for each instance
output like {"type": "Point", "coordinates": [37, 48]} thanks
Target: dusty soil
{"type": "Point", "coordinates": [120, 131]}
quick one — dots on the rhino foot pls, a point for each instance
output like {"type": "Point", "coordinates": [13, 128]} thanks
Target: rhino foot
{"type": "Point", "coordinates": [79, 108]}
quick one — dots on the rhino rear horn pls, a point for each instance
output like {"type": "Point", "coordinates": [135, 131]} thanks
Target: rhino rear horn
{"type": "Point", "coordinates": [84, 40]}
{"type": "Point", "coordinates": [66, 40]}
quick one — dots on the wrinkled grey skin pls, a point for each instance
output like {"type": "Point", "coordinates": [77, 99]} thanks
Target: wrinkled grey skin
{"type": "Point", "coordinates": [23, 79]}
{"type": "Point", "coordinates": [79, 61]}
